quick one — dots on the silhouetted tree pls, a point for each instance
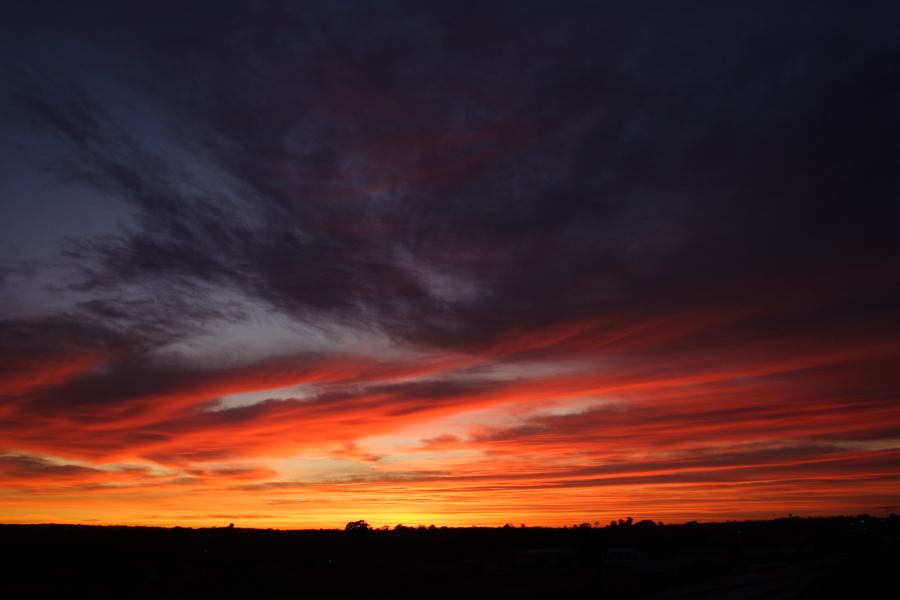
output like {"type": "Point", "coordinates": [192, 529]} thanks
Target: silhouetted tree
{"type": "Point", "coordinates": [357, 526]}
{"type": "Point", "coordinates": [627, 522]}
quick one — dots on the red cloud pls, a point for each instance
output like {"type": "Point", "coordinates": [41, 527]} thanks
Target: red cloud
{"type": "Point", "coordinates": [686, 424]}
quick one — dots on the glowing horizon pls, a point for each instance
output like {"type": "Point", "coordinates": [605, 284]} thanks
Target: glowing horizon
{"type": "Point", "coordinates": [467, 439]}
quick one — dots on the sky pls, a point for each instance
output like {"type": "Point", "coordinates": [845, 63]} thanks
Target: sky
{"type": "Point", "coordinates": [461, 263]}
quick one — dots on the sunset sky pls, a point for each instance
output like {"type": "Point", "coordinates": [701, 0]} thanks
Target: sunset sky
{"type": "Point", "coordinates": [461, 263]}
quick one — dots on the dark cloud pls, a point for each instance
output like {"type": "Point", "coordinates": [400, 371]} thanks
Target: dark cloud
{"type": "Point", "coordinates": [451, 174]}
{"type": "Point", "coordinates": [32, 467]}
{"type": "Point", "coordinates": [39, 353]}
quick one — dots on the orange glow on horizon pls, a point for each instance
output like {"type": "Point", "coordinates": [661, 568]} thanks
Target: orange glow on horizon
{"type": "Point", "coordinates": [712, 432]}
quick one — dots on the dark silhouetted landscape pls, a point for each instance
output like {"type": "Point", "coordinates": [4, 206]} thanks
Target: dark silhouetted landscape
{"type": "Point", "coordinates": [837, 557]}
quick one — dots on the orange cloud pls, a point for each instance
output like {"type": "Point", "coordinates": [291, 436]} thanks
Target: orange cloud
{"type": "Point", "coordinates": [664, 420]}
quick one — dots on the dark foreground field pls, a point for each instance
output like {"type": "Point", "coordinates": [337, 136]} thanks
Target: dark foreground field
{"type": "Point", "coordinates": [842, 557]}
